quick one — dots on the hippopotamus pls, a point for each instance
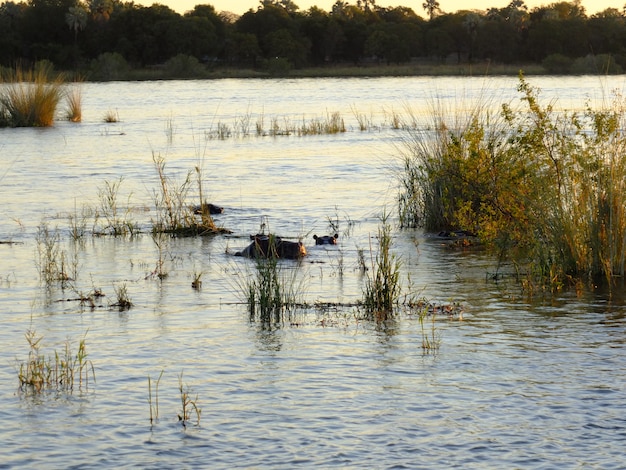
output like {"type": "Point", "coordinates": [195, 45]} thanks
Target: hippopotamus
{"type": "Point", "coordinates": [326, 239]}
{"type": "Point", "coordinates": [455, 234]}
{"type": "Point", "coordinates": [271, 246]}
{"type": "Point", "coordinates": [212, 208]}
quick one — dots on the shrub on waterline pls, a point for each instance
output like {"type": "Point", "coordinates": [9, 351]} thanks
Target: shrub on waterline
{"type": "Point", "coordinates": [545, 188]}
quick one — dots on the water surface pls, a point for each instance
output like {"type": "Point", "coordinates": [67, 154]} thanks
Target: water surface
{"type": "Point", "coordinates": [518, 383]}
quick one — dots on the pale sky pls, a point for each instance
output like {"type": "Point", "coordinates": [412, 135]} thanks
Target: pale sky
{"type": "Point", "coordinates": [449, 6]}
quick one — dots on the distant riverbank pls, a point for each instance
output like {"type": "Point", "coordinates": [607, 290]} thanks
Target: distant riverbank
{"type": "Point", "coordinates": [343, 70]}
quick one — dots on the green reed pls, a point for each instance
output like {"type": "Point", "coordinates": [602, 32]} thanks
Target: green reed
{"type": "Point", "coordinates": [62, 372]}
{"type": "Point", "coordinates": [382, 283]}
{"type": "Point", "coordinates": [272, 290]}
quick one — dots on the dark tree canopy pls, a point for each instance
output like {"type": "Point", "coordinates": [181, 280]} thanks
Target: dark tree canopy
{"type": "Point", "coordinates": [73, 33]}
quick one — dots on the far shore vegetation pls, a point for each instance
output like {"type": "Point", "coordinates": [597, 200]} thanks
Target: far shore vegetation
{"type": "Point", "coordinates": [117, 40]}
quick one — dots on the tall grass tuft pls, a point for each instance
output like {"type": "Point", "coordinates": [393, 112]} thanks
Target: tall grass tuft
{"type": "Point", "coordinates": [545, 188]}
{"type": "Point", "coordinates": [382, 284]}
{"type": "Point", "coordinates": [74, 112]}
{"type": "Point", "coordinates": [31, 97]}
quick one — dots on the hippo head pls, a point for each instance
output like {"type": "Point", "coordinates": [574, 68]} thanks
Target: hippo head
{"type": "Point", "coordinates": [207, 207]}
{"type": "Point", "coordinates": [326, 239]}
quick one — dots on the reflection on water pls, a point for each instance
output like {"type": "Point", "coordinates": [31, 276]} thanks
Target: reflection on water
{"type": "Point", "coordinates": [519, 383]}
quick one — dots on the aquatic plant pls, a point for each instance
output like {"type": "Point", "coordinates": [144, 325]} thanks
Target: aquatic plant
{"type": "Point", "coordinates": [123, 301]}
{"type": "Point", "coordinates": [175, 216]}
{"type": "Point", "coordinates": [154, 409]}
{"type": "Point", "coordinates": [117, 223]}
{"type": "Point", "coordinates": [363, 121]}
{"type": "Point", "coordinates": [188, 404]}
{"type": "Point", "coordinates": [196, 283]}
{"type": "Point", "coordinates": [160, 241]}
{"type": "Point", "coordinates": [111, 116]}
{"type": "Point", "coordinates": [74, 111]}
{"type": "Point", "coordinates": [78, 223]}
{"type": "Point", "coordinates": [52, 261]}
{"type": "Point", "coordinates": [544, 188]}
{"type": "Point", "coordinates": [382, 283]}
{"type": "Point", "coordinates": [31, 97]}
{"type": "Point", "coordinates": [333, 124]}
{"type": "Point", "coordinates": [273, 289]}
{"type": "Point", "coordinates": [60, 372]}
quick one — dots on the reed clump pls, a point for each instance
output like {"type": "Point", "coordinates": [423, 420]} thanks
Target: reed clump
{"type": "Point", "coordinates": [333, 124]}
{"type": "Point", "coordinates": [31, 97]}
{"type": "Point", "coordinates": [74, 111]}
{"type": "Point", "coordinates": [382, 283]}
{"type": "Point", "coordinates": [175, 215]}
{"type": "Point", "coordinates": [60, 372]}
{"type": "Point", "coordinates": [272, 290]}
{"type": "Point", "coordinates": [544, 188]}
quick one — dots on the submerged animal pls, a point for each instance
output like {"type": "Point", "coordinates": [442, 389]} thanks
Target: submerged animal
{"type": "Point", "coordinates": [326, 239]}
{"type": "Point", "coordinates": [212, 208]}
{"type": "Point", "coordinates": [455, 234]}
{"type": "Point", "coordinates": [272, 246]}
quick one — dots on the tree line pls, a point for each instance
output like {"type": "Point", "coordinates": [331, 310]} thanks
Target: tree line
{"type": "Point", "coordinates": [105, 34]}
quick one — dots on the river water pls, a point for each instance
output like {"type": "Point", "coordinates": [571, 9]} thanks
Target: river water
{"type": "Point", "coordinates": [514, 383]}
